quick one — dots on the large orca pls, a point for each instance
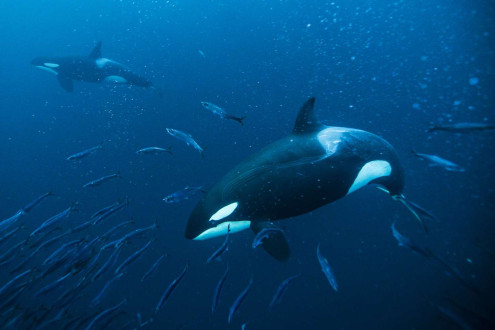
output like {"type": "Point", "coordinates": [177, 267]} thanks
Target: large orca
{"type": "Point", "coordinates": [314, 166]}
{"type": "Point", "coordinates": [90, 68]}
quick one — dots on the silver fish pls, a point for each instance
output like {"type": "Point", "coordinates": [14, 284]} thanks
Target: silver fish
{"type": "Point", "coordinates": [439, 161]}
{"type": "Point", "coordinates": [12, 251]}
{"type": "Point", "coordinates": [96, 300]}
{"type": "Point", "coordinates": [135, 233]}
{"type": "Point", "coordinates": [110, 212]}
{"type": "Point", "coordinates": [224, 247]}
{"type": "Point", "coordinates": [84, 153]}
{"type": "Point", "coordinates": [61, 251]}
{"type": "Point", "coordinates": [105, 313]}
{"type": "Point", "coordinates": [462, 127]}
{"type": "Point", "coordinates": [152, 268]}
{"type": "Point", "coordinates": [187, 138]}
{"type": "Point", "coordinates": [404, 241]}
{"type": "Point", "coordinates": [109, 263]}
{"type": "Point", "coordinates": [99, 181]}
{"type": "Point", "coordinates": [133, 257]}
{"type": "Point", "coordinates": [170, 289]}
{"type": "Point", "coordinates": [281, 290]}
{"type": "Point", "coordinates": [238, 301]}
{"type": "Point", "coordinates": [183, 194]}
{"type": "Point", "coordinates": [154, 150]}
{"type": "Point", "coordinates": [218, 289]}
{"type": "Point", "coordinates": [115, 228]}
{"type": "Point", "coordinates": [221, 112]}
{"type": "Point", "coordinates": [35, 202]}
{"type": "Point", "coordinates": [6, 236]}
{"type": "Point", "coordinates": [453, 317]}
{"type": "Point", "coordinates": [6, 223]}
{"type": "Point", "coordinates": [325, 267]}
{"type": "Point", "coordinates": [51, 286]}
{"type": "Point", "coordinates": [7, 285]}
{"type": "Point", "coordinates": [105, 209]}
{"type": "Point", "coordinates": [56, 218]}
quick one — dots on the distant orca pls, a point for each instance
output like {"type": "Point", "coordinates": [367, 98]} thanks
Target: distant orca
{"type": "Point", "coordinates": [91, 68]}
{"type": "Point", "coordinates": [314, 166]}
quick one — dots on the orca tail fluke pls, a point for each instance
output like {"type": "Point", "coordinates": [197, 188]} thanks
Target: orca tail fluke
{"type": "Point", "coordinates": [276, 244]}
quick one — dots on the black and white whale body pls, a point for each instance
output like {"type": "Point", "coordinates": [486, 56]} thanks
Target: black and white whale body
{"type": "Point", "coordinates": [314, 166]}
{"type": "Point", "coordinates": [91, 68]}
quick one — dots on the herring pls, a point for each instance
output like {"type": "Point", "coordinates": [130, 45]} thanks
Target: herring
{"type": "Point", "coordinates": [224, 247]}
{"type": "Point", "coordinates": [109, 263]}
{"type": "Point", "coordinates": [182, 194]}
{"type": "Point", "coordinates": [154, 150]}
{"type": "Point", "coordinates": [439, 161]}
{"type": "Point", "coordinates": [99, 181]}
{"type": "Point", "coordinates": [84, 153]}
{"type": "Point", "coordinates": [325, 268]}
{"type": "Point", "coordinates": [238, 301]}
{"type": "Point", "coordinates": [153, 268]}
{"type": "Point", "coordinates": [51, 286]}
{"type": "Point", "coordinates": [133, 257]}
{"type": "Point", "coordinates": [187, 138]}
{"type": "Point", "coordinates": [96, 300]}
{"type": "Point", "coordinates": [54, 219]}
{"type": "Point", "coordinates": [218, 289]}
{"type": "Point", "coordinates": [109, 212]}
{"type": "Point", "coordinates": [281, 290]}
{"type": "Point", "coordinates": [28, 207]}
{"type": "Point", "coordinates": [221, 112]}
{"type": "Point", "coordinates": [170, 289]}
{"type": "Point", "coordinates": [105, 313]}
{"type": "Point", "coordinates": [6, 223]}
{"type": "Point", "coordinates": [404, 241]}
{"type": "Point", "coordinates": [105, 209]}
{"type": "Point", "coordinates": [462, 127]}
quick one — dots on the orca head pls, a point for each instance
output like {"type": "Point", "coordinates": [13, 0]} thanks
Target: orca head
{"type": "Point", "coordinates": [47, 64]}
{"type": "Point", "coordinates": [208, 222]}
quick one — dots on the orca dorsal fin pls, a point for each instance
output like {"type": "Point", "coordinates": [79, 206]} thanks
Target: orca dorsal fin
{"type": "Point", "coordinates": [96, 52]}
{"type": "Point", "coordinates": [306, 120]}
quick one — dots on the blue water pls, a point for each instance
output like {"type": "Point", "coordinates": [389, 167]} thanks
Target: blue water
{"type": "Point", "coordinates": [391, 68]}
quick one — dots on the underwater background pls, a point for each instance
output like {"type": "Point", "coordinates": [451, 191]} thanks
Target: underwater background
{"type": "Point", "coordinates": [391, 68]}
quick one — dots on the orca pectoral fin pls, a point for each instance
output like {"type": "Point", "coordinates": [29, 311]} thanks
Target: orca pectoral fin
{"type": "Point", "coordinates": [157, 90]}
{"type": "Point", "coordinates": [66, 83]}
{"type": "Point", "coordinates": [276, 244]}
